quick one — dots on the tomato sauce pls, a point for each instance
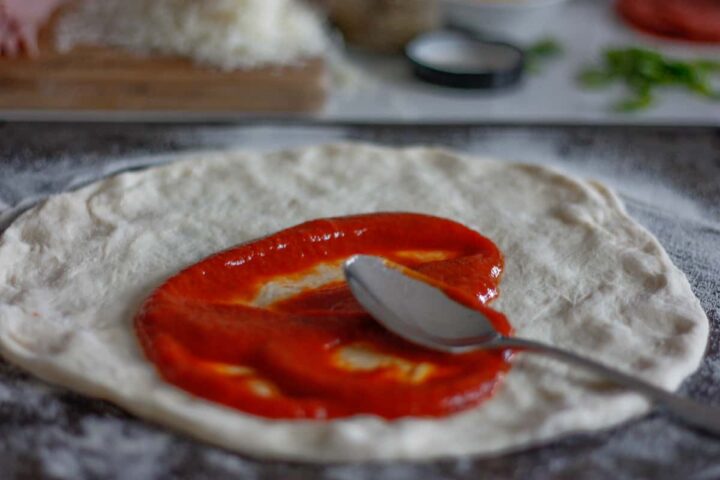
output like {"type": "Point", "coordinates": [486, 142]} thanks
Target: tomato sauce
{"type": "Point", "coordinates": [271, 329]}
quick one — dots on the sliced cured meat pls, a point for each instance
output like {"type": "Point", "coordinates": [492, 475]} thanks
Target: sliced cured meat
{"type": "Point", "coordinates": [694, 20]}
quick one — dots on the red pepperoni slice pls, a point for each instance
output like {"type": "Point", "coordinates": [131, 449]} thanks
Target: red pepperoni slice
{"type": "Point", "coordinates": [694, 20]}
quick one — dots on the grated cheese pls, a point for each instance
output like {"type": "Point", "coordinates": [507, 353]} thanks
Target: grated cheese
{"type": "Point", "coordinates": [227, 34]}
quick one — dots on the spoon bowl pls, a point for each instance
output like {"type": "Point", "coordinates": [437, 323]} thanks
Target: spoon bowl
{"type": "Point", "coordinates": [415, 310]}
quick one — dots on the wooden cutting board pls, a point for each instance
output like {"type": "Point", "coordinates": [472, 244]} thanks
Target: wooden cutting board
{"type": "Point", "coordinates": [101, 78]}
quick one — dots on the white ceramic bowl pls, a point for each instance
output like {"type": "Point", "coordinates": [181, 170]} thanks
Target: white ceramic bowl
{"type": "Point", "coordinates": [513, 20]}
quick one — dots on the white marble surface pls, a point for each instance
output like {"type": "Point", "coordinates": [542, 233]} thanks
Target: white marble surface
{"type": "Point", "coordinates": [584, 28]}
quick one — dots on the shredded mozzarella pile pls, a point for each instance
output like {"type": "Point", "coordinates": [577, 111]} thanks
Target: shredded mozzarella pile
{"type": "Point", "coordinates": [227, 34]}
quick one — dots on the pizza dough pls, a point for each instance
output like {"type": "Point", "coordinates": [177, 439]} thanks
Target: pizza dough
{"type": "Point", "coordinates": [579, 274]}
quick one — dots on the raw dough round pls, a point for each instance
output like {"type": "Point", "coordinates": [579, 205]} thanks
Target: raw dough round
{"type": "Point", "coordinates": [579, 274]}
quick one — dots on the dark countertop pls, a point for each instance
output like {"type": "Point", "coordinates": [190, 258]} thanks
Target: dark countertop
{"type": "Point", "coordinates": [668, 178]}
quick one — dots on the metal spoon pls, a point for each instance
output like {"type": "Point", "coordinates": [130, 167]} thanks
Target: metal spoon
{"type": "Point", "coordinates": [424, 315]}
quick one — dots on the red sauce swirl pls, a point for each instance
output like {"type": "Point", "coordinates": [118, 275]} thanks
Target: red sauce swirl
{"type": "Point", "coordinates": [264, 329]}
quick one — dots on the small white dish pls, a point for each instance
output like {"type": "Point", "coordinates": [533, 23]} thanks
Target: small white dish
{"type": "Point", "coordinates": [455, 59]}
{"type": "Point", "coordinates": [509, 20]}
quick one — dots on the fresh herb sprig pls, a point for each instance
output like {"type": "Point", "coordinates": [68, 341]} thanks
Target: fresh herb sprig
{"type": "Point", "coordinates": [540, 52]}
{"type": "Point", "coordinates": [643, 71]}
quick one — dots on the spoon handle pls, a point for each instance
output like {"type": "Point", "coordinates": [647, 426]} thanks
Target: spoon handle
{"type": "Point", "coordinates": [697, 415]}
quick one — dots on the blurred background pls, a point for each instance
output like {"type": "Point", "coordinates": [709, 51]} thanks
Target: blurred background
{"type": "Point", "coordinates": [507, 61]}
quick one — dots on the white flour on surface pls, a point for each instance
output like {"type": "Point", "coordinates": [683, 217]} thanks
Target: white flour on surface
{"type": "Point", "coordinates": [580, 274]}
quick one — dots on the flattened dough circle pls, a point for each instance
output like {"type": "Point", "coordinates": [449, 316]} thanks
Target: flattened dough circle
{"type": "Point", "coordinates": [579, 273]}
